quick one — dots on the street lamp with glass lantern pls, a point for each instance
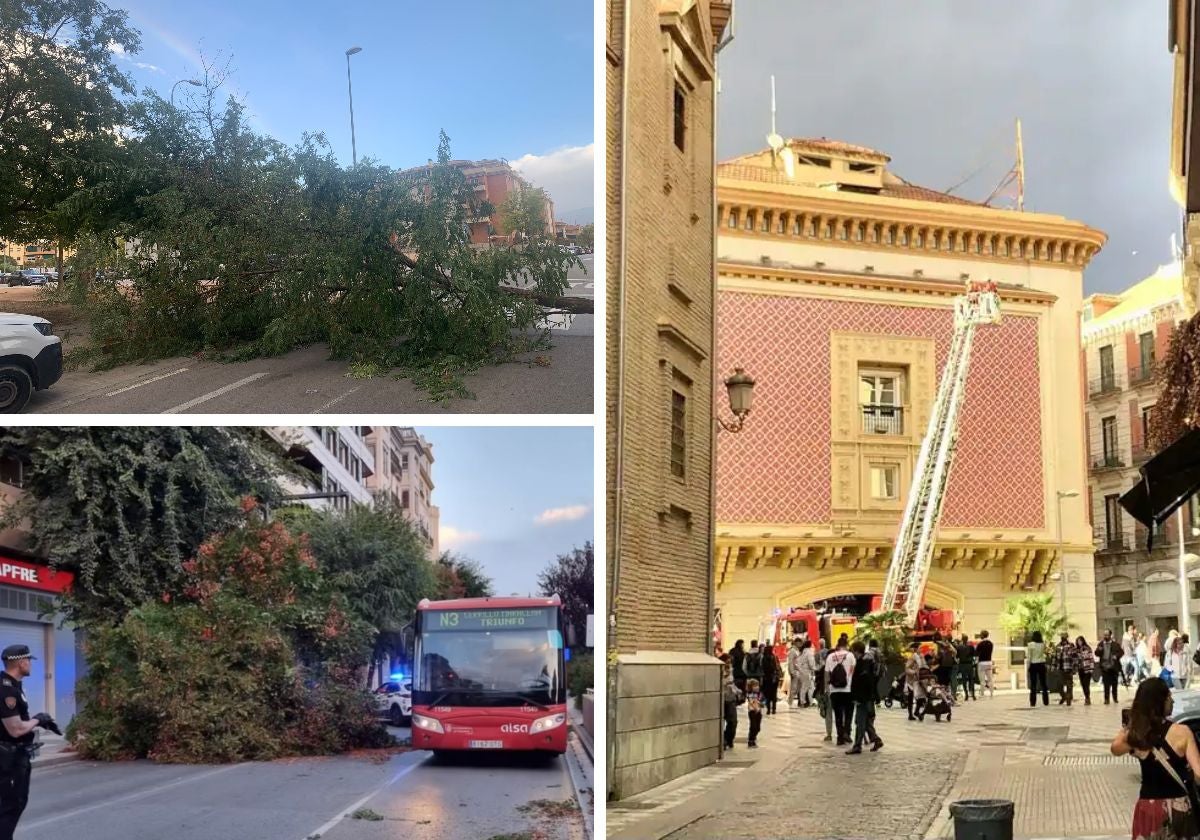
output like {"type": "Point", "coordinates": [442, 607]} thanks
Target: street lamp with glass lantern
{"type": "Point", "coordinates": [1062, 575]}
{"type": "Point", "coordinates": [740, 387]}
{"type": "Point", "coordinates": [192, 82]}
{"type": "Point", "coordinates": [350, 88]}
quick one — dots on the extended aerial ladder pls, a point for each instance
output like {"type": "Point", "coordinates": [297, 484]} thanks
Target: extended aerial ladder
{"type": "Point", "coordinates": [911, 558]}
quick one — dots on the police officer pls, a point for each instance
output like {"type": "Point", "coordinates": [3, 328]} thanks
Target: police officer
{"type": "Point", "coordinates": [16, 737]}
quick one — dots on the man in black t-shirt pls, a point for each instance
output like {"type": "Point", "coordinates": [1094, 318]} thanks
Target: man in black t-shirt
{"type": "Point", "coordinates": [16, 737]}
{"type": "Point", "coordinates": [983, 653]}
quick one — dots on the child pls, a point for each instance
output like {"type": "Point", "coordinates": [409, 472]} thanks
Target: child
{"type": "Point", "coordinates": [732, 696]}
{"type": "Point", "coordinates": [754, 705]}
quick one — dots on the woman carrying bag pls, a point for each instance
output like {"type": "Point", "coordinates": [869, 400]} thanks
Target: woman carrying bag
{"type": "Point", "coordinates": [1166, 807]}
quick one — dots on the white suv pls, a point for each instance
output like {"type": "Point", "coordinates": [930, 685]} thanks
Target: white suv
{"type": "Point", "coordinates": [393, 700]}
{"type": "Point", "coordinates": [30, 359]}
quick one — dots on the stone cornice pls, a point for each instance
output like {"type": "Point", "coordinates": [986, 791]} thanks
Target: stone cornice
{"type": "Point", "coordinates": [732, 270]}
{"type": "Point", "coordinates": [673, 22]}
{"type": "Point", "coordinates": [899, 224]}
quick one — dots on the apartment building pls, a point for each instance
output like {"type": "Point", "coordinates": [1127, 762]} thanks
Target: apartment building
{"type": "Point", "coordinates": [1124, 338]}
{"type": "Point", "coordinates": [404, 471]}
{"type": "Point", "coordinates": [338, 458]}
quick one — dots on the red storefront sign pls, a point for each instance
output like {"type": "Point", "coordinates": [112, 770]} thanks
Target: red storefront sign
{"type": "Point", "coordinates": [15, 572]}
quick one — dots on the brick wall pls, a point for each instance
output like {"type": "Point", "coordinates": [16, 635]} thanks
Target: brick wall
{"type": "Point", "coordinates": [668, 288]}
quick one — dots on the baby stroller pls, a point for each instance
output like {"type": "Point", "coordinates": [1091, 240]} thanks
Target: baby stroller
{"type": "Point", "coordinates": [938, 702]}
{"type": "Point", "coordinates": [897, 694]}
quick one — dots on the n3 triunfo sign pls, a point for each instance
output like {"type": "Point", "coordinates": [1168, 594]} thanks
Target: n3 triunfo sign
{"type": "Point", "coordinates": [31, 576]}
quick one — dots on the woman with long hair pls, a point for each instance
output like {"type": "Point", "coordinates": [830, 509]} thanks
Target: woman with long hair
{"type": "Point", "coordinates": [1169, 758]}
{"type": "Point", "coordinates": [1035, 661]}
{"type": "Point", "coordinates": [1087, 667]}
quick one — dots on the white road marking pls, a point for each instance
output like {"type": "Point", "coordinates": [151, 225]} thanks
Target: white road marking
{"type": "Point", "coordinates": [348, 811]}
{"type": "Point", "coordinates": [212, 395]}
{"type": "Point", "coordinates": [108, 803]}
{"type": "Point", "coordinates": [146, 382]}
{"type": "Point", "coordinates": [335, 401]}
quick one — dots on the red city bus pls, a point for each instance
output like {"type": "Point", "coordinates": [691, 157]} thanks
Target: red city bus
{"type": "Point", "coordinates": [489, 674]}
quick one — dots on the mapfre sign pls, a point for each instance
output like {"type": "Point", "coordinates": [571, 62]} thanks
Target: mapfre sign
{"type": "Point", "coordinates": [32, 576]}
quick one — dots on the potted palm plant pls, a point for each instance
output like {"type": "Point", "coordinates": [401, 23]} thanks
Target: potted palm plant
{"type": "Point", "coordinates": [1026, 613]}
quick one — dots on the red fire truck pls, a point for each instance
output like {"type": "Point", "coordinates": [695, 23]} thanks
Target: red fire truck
{"type": "Point", "coordinates": [490, 674]}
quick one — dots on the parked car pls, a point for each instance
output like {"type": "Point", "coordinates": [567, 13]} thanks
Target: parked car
{"type": "Point", "coordinates": [393, 700]}
{"type": "Point", "coordinates": [30, 359]}
{"type": "Point", "coordinates": [34, 276]}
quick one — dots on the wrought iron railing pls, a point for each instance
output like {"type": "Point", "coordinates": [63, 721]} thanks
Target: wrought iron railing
{"type": "Point", "coordinates": [883, 419]}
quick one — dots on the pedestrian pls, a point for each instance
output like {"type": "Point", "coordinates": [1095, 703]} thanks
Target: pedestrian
{"type": "Point", "coordinates": [839, 671]}
{"type": "Point", "coordinates": [1141, 656]}
{"type": "Point", "coordinates": [808, 670]}
{"type": "Point", "coordinates": [754, 709]}
{"type": "Point", "coordinates": [1066, 662]}
{"type": "Point", "coordinates": [772, 676]}
{"type": "Point", "coordinates": [966, 666]}
{"type": "Point", "coordinates": [1128, 655]}
{"type": "Point", "coordinates": [946, 661]}
{"type": "Point", "coordinates": [914, 691]}
{"type": "Point", "coordinates": [1154, 653]}
{"type": "Point", "coordinates": [983, 653]}
{"type": "Point", "coordinates": [1172, 659]}
{"type": "Point", "coordinates": [1086, 665]}
{"type": "Point", "coordinates": [753, 664]}
{"type": "Point", "coordinates": [823, 706]}
{"type": "Point", "coordinates": [864, 691]}
{"type": "Point", "coordinates": [1109, 657]}
{"type": "Point", "coordinates": [17, 737]}
{"type": "Point", "coordinates": [1035, 663]}
{"type": "Point", "coordinates": [793, 669]}
{"type": "Point", "coordinates": [732, 697]}
{"type": "Point", "coordinates": [1185, 677]}
{"type": "Point", "coordinates": [1168, 756]}
{"type": "Point", "coordinates": [737, 658]}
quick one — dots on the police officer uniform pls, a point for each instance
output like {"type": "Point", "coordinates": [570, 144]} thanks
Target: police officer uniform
{"type": "Point", "coordinates": [15, 753]}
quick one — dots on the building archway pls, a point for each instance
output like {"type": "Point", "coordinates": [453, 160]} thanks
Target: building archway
{"type": "Point", "coordinates": [856, 583]}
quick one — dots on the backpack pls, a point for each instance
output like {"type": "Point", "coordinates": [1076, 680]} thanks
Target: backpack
{"type": "Point", "coordinates": [837, 677]}
{"type": "Point", "coordinates": [948, 658]}
{"type": "Point", "coordinates": [754, 665]}
{"type": "Point", "coordinates": [1196, 656]}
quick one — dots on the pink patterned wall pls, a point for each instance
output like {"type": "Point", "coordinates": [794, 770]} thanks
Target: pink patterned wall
{"type": "Point", "coordinates": [777, 468]}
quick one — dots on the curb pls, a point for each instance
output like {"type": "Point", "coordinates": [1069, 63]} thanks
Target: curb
{"type": "Point", "coordinates": [55, 760]}
{"type": "Point", "coordinates": [584, 740]}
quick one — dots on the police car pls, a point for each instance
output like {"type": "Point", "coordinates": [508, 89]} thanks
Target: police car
{"type": "Point", "coordinates": [393, 700]}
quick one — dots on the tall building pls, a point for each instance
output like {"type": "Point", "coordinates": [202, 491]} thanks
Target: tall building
{"type": "Point", "coordinates": [337, 457]}
{"type": "Point", "coordinates": [404, 471]}
{"type": "Point", "coordinates": [661, 84]}
{"type": "Point", "coordinates": [836, 283]}
{"type": "Point", "coordinates": [32, 253]}
{"type": "Point", "coordinates": [1125, 337]}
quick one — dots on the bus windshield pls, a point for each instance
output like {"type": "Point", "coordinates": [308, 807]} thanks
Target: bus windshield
{"type": "Point", "coordinates": [479, 659]}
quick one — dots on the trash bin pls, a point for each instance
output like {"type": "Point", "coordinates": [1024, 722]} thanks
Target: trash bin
{"type": "Point", "coordinates": [982, 819]}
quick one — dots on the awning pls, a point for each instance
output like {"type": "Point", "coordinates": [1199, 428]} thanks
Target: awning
{"type": "Point", "coordinates": [1169, 479]}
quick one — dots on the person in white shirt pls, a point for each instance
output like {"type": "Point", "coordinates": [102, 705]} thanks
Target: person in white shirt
{"type": "Point", "coordinates": [839, 670]}
{"type": "Point", "coordinates": [793, 669]}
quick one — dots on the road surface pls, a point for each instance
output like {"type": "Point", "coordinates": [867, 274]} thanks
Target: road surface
{"type": "Point", "coordinates": [306, 381]}
{"type": "Point", "coordinates": [409, 795]}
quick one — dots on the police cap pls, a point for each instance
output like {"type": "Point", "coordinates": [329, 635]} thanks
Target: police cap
{"type": "Point", "coordinates": [14, 652]}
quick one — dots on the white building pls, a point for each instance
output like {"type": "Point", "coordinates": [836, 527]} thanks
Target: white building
{"type": "Point", "coordinates": [404, 471]}
{"type": "Point", "coordinates": [338, 458]}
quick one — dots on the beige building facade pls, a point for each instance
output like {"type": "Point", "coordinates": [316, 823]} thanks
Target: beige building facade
{"type": "Point", "coordinates": [404, 472]}
{"type": "Point", "coordinates": [664, 698]}
{"type": "Point", "coordinates": [836, 285]}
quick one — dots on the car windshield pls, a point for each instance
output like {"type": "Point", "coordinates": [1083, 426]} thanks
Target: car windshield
{"type": "Point", "coordinates": [470, 666]}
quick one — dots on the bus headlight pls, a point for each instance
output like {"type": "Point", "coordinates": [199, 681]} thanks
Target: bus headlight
{"type": "Point", "coordinates": [547, 723]}
{"type": "Point", "coordinates": [422, 722]}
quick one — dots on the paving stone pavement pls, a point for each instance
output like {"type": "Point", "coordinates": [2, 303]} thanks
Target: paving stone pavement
{"type": "Point", "coordinates": [1053, 762]}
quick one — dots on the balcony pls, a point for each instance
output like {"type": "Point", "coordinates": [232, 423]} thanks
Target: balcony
{"type": "Point", "coordinates": [1102, 386]}
{"type": "Point", "coordinates": [1143, 374]}
{"type": "Point", "coordinates": [1108, 461]}
{"type": "Point", "coordinates": [883, 419]}
{"type": "Point", "coordinates": [1110, 543]}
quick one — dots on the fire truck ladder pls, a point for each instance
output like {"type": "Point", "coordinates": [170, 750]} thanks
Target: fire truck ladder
{"type": "Point", "coordinates": [905, 586]}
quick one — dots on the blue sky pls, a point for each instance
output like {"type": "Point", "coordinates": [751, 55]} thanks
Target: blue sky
{"type": "Point", "coordinates": [511, 80]}
{"type": "Point", "coordinates": [513, 498]}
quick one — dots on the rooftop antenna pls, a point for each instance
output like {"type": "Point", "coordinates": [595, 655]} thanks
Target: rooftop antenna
{"type": "Point", "coordinates": [1020, 170]}
{"type": "Point", "coordinates": [778, 150]}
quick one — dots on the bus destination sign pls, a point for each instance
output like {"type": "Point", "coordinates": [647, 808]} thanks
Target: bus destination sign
{"type": "Point", "coordinates": [515, 619]}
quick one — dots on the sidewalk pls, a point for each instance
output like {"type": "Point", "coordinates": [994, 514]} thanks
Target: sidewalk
{"type": "Point", "coordinates": [581, 766]}
{"type": "Point", "coordinates": [1052, 762]}
{"type": "Point", "coordinates": [55, 750]}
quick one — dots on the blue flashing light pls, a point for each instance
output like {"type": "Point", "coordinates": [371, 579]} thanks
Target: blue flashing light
{"type": "Point", "coordinates": [396, 677]}
{"type": "Point", "coordinates": [566, 654]}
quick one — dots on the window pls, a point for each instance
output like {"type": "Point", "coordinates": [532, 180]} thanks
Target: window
{"type": "Point", "coordinates": [1194, 588]}
{"type": "Point", "coordinates": [680, 117]}
{"type": "Point", "coordinates": [733, 219]}
{"type": "Point", "coordinates": [1120, 597]}
{"type": "Point", "coordinates": [1146, 351]}
{"type": "Point", "coordinates": [879, 388]}
{"type": "Point", "coordinates": [863, 167]}
{"type": "Point", "coordinates": [1161, 588]}
{"type": "Point", "coordinates": [1108, 376]}
{"type": "Point", "coordinates": [880, 394]}
{"type": "Point", "coordinates": [404, 499]}
{"type": "Point", "coordinates": [885, 481]}
{"type": "Point", "coordinates": [678, 434]}
{"type": "Point", "coordinates": [1146, 426]}
{"type": "Point", "coordinates": [1108, 428]}
{"type": "Point", "coordinates": [404, 462]}
{"type": "Point", "coordinates": [1112, 518]}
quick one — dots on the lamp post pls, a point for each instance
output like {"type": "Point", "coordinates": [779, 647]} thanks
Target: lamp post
{"type": "Point", "coordinates": [192, 82]}
{"type": "Point", "coordinates": [350, 88]}
{"type": "Point", "coordinates": [1062, 569]}
{"type": "Point", "coordinates": [741, 394]}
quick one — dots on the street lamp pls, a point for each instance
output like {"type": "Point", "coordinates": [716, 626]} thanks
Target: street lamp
{"type": "Point", "coordinates": [192, 82]}
{"type": "Point", "coordinates": [1062, 573]}
{"type": "Point", "coordinates": [741, 394]}
{"type": "Point", "coordinates": [350, 88]}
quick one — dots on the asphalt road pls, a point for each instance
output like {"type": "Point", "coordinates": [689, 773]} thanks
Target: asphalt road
{"type": "Point", "coordinates": [482, 796]}
{"type": "Point", "coordinates": [306, 381]}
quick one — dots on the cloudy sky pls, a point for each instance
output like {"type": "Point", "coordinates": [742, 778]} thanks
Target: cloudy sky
{"type": "Point", "coordinates": [510, 80]}
{"type": "Point", "coordinates": [937, 85]}
{"type": "Point", "coordinates": [513, 498]}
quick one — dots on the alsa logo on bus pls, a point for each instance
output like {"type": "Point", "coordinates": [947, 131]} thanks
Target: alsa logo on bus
{"type": "Point", "coordinates": [514, 728]}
